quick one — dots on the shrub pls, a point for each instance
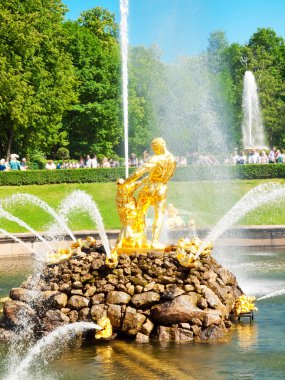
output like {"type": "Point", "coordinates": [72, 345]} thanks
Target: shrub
{"type": "Point", "coordinates": [37, 159]}
{"type": "Point", "coordinates": [188, 173]}
{"type": "Point", "coordinates": [62, 154]}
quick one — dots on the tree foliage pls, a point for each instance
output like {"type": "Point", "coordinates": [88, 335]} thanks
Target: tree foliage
{"type": "Point", "coordinates": [94, 123]}
{"type": "Point", "coordinates": [36, 75]}
{"type": "Point", "coordinates": [60, 86]}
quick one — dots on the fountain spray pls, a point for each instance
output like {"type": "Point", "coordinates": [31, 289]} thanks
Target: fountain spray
{"type": "Point", "coordinates": [12, 218]}
{"type": "Point", "coordinates": [24, 198]}
{"type": "Point", "coordinates": [252, 126]}
{"type": "Point", "coordinates": [79, 200]}
{"type": "Point", "coordinates": [11, 236]}
{"type": "Point", "coordinates": [124, 10]}
{"type": "Point", "coordinates": [48, 346]}
{"type": "Point", "coordinates": [271, 295]}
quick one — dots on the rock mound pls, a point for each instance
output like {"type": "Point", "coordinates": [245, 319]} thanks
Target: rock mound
{"type": "Point", "coordinates": [145, 296]}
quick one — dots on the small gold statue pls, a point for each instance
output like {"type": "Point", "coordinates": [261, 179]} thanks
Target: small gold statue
{"type": "Point", "coordinates": [187, 249]}
{"type": "Point", "coordinates": [244, 304]}
{"type": "Point", "coordinates": [151, 182]}
{"type": "Point", "coordinates": [106, 329]}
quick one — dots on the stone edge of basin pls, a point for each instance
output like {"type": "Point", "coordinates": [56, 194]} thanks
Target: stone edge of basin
{"type": "Point", "coordinates": [240, 236]}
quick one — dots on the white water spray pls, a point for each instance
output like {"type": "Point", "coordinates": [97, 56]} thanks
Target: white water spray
{"type": "Point", "coordinates": [252, 126]}
{"type": "Point", "coordinates": [271, 295]}
{"type": "Point", "coordinates": [6, 233]}
{"type": "Point", "coordinates": [124, 10]}
{"type": "Point", "coordinates": [256, 197]}
{"type": "Point", "coordinates": [48, 347]}
{"type": "Point", "coordinates": [24, 198]}
{"type": "Point", "coordinates": [79, 200]}
{"type": "Point", "coordinates": [20, 222]}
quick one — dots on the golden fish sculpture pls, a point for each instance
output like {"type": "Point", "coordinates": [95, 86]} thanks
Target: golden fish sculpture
{"type": "Point", "coordinates": [244, 304]}
{"type": "Point", "coordinates": [187, 250]}
{"type": "Point", "coordinates": [106, 328]}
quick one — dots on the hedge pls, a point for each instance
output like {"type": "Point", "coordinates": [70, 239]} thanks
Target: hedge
{"type": "Point", "coordinates": [226, 172]}
{"type": "Point", "coordinates": [188, 173]}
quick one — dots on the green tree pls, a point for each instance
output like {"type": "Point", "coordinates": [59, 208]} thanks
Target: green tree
{"type": "Point", "coordinates": [94, 123]}
{"type": "Point", "coordinates": [265, 56]}
{"type": "Point", "coordinates": [36, 76]}
{"type": "Point", "coordinates": [217, 45]}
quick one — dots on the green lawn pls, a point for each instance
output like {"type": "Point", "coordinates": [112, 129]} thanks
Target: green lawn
{"type": "Point", "coordinates": [206, 202]}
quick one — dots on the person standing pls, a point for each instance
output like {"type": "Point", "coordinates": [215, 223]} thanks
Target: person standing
{"type": "Point", "coordinates": [254, 157]}
{"type": "Point", "coordinates": [88, 162]}
{"type": "Point", "coordinates": [93, 161]}
{"type": "Point", "coordinates": [23, 164]}
{"type": "Point", "coordinates": [2, 165]}
{"type": "Point", "coordinates": [271, 156]}
{"type": "Point", "coordinates": [263, 158]}
{"type": "Point", "coordinates": [50, 165]}
{"type": "Point", "coordinates": [14, 163]}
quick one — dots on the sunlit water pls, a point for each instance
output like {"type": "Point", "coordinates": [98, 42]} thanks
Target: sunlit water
{"type": "Point", "coordinates": [252, 125]}
{"type": "Point", "coordinates": [250, 351]}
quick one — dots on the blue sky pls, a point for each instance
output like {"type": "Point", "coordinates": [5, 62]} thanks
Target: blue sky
{"type": "Point", "coordinates": [182, 27]}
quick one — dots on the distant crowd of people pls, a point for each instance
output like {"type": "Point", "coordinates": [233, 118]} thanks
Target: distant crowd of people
{"type": "Point", "coordinates": [88, 162]}
{"type": "Point", "coordinates": [252, 156]}
{"type": "Point", "coordinates": [255, 157]}
{"type": "Point", "coordinates": [13, 163]}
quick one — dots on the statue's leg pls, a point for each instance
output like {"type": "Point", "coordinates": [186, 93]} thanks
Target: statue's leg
{"type": "Point", "coordinates": [143, 203]}
{"type": "Point", "coordinates": [120, 238]}
{"type": "Point", "coordinates": [159, 210]}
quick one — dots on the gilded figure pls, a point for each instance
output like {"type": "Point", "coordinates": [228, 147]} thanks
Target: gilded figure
{"type": "Point", "coordinates": [150, 180]}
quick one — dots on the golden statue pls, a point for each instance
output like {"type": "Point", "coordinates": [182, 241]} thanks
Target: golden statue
{"type": "Point", "coordinates": [150, 180]}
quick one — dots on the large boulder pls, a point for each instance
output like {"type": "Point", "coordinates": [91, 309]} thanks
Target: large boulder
{"type": "Point", "coordinates": [17, 313]}
{"type": "Point", "coordinates": [115, 315]}
{"type": "Point", "coordinates": [77, 302]}
{"type": "Point", "coordinates": [118, 298]}
{"type": "Point", "coordinates": [133, 321]}
{"type": "Point", "coordinates": [177, 334]}
{"type": "Point", "coordinates": [179, 310]}
{"type": "Point", "coordinates": [98, 311]}
{"type": "Point", "coordinates": [20, 294]}
{"type": "Point", "coordinates": [145, 300]}
{"type": "Point", "coordinates": [59, 300]}
{"type": "Point", "coordinates": [54, 319]}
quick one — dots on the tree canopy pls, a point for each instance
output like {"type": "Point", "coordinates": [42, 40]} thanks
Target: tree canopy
{"type": "Point", "coordinates": [36, 76]}
{"type": "Point", "coordinates": [60, 86]}
{"type": "Point", "coordinates": [94, 123]}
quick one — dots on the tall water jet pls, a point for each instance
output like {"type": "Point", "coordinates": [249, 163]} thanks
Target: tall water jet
{"type": "Point", "coordinates": [252, 125]}
{"type": "Point", "coordinates": [124, 10]}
